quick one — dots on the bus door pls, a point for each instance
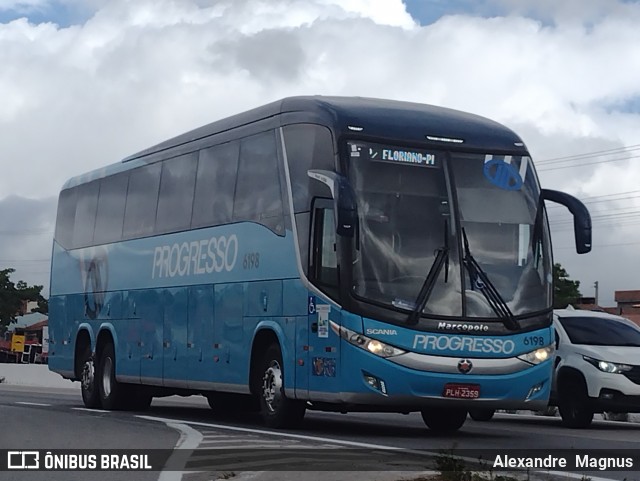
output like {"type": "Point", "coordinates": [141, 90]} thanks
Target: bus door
{"type": "Point", "coordinates": [323, 344]}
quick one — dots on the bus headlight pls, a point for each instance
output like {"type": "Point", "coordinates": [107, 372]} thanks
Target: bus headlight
{"type": "Point", "coordinates": [539, 355]}
{"type": "Point", "coordinates": [373, 346]}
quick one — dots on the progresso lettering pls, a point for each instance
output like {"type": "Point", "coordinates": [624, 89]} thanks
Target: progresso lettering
{"type": "Point", "coordinates": [466, 344]}
{"type": "Point", "coordinates": [198, 257]}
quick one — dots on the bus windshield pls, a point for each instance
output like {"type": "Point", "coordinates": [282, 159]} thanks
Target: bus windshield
{"type": "Point", "coordinates": [414, 202]}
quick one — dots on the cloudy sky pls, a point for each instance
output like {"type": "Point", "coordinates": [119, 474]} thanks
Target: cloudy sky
{"type": "Point", "coordinates": [84, 83]}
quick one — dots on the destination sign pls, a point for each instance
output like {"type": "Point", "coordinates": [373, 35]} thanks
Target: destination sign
{"type": "Point", "coordinates": [385, 153]}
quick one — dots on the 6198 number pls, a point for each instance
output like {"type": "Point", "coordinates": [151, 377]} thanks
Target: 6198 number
{"type": "Point", "coordinates": [534, 341]}
{"type": "Point", "coordinates": [251, 261]}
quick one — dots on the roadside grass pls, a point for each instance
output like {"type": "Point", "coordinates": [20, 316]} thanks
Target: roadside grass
{"type": "Point", "coordinates": [452, 468]}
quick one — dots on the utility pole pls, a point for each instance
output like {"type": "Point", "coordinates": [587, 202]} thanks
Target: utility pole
{"type": "Point", "coordinates": [595, 285]}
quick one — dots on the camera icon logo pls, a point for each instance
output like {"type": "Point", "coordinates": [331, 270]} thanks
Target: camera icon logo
{"type": "Point", "coordinates": [23, 460]}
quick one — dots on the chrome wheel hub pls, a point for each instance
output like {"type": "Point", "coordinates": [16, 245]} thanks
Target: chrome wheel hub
{"type": "Point", "coordinates": [88, 374]}
{"type": "Point", "coordinates": [272, 386]}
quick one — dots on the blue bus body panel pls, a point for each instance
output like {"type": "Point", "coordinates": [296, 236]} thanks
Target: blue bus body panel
{"type": "Point", "coordinates": [182, 305]}
{"type": "Point", "coordinates": [205, 256]}
{"type": "Point", "coordinates": [202, 357]}
{"type": "Point", "coordinates": [229, 315]}
{"type": "Point", "coordinates": [174, 354]}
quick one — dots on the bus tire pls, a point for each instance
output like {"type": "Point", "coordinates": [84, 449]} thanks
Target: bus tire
{"type": "Point", "coordinates": [276, 409]}
{"type": "Point", "coordinates": [88, 383]}
{"type": "Point", "coordinates": [112, 396]}
{"type": "Point", "coordinates": [444, 420]}
{"type": "Point", "coordinates": [481, 414]}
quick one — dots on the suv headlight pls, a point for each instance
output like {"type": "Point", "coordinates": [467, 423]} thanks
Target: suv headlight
{"type": "Point", "coordinates": [606, 366]}
{"type": "Point", "coordinates": [539, 355]}
{"type": "Point", "coordinates": [373, 346]}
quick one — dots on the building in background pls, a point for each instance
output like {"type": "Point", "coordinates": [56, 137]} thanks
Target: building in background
{"type": "Point", "coordinates": [628, 305]}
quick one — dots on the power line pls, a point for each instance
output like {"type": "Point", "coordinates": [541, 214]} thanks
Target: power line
{"type": "Point", "coordinates": [611, 223]}
{"type": "Point", "coordinates": [586, 155]}
{"type": "Point", "coordinates": [600, 245]}
{"type": "Point", "coordinates": [588, 163]}
{"type": "Point", "coordinates": [613, 213]}
{"type": "Point", "coordinates": [594, 218]}
{"type": "Point", "coordinates": [597, 199]}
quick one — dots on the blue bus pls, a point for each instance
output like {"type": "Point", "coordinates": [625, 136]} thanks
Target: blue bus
{"type": "Point", "coordinates": [328, 253]}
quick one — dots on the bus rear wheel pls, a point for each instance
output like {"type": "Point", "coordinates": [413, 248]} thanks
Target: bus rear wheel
{"type": "Point", "coordinates": [277, 410]}
{"type": "Point", "coordinates": [89, 387]}
{"type": "Point", "coordinates": [444, 420]}
{"type": "Point", "coordinates": [111, 392]}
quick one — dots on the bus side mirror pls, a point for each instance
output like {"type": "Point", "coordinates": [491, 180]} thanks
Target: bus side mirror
{"type": "Point", "coordinates": [581, 217]}
{"type": "Point", "coordinates": [344, 200]}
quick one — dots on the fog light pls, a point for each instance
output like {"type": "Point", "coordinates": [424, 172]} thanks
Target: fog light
{"type": "Point", "coordinates": [375, 383]}
{"type": "Point", "coordinates": [606, 395]}
{"type": "Point", "coordinates": [534, 390]}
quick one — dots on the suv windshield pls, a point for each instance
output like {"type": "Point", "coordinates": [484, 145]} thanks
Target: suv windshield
{"type": "Point", "coordinates": [406, 200]}
{"type": "Point", "coordinates": [600, 331]}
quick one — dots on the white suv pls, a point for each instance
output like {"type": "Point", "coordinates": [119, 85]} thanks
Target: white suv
{"type": "Point", "coordinates": [597, 365]}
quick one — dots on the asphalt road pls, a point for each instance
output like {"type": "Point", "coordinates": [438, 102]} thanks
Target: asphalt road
{"type": "Point", "coordinates": [55, 419]}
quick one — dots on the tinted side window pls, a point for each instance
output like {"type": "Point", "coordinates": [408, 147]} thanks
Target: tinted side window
{"type": "Point", "coordinates": [308, 147]}
{"type": "Point", "coordinates": [142, 201]}
{"type": "Point", "coordinates": [85, 219]}
{"type": "Point", "coordinates": [111, 202]}
{"type": "Point", "coordinates": [66, 217]}
{"type": "Point", "coordinates": [258, 195]}
{"type": "Point", "coordinates": [601, 331]}
{"type": "Point", "coordinates": [177, 184]}
{"type": "Point", "coordinates": [215, 185]}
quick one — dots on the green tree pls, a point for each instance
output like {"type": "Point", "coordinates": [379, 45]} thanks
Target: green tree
{"type": "Point", "coordinates": [565, 291]}
{"type": "Point", "coordinates": [12, 297]}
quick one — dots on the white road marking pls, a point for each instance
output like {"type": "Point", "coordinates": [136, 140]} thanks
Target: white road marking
{"type": "Point", "coordinates": [189, 440]}
{"type": "Point", "coordinates": [284, 435]}
{"type": "Point", "coordinates": [567, 474]}
{"type": "Point", "coordinates": [91, 410]}
{"type": "Point", "coordinates": [32, 404]}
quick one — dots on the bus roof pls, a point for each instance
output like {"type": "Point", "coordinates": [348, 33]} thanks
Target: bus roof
{"type": "Point", "coordinates": [385, 120]}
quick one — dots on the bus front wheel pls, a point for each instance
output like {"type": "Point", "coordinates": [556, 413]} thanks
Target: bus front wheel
{"type": "Point", "coordinates": [277, 410]}
{"type": "Point", "coordinates": [481, 414]}
{"type": "Point", "coordinates": [444, 419]}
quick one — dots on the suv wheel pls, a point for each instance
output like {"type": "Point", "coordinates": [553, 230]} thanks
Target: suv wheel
{"type": "Point", "coordinates": [574, 406]}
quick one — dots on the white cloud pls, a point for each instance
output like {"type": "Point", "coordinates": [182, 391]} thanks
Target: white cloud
{"type": "Point", "coordinates": [136, 73]}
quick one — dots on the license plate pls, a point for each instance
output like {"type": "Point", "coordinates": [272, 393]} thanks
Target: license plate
{"type": "Point", "coordinates": [462, 391]}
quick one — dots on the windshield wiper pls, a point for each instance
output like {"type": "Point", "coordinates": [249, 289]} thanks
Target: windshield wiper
{"type": "Point", "coordinates": [480, 281]}
{"type": "Point", "coordinates": [442, 258]}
